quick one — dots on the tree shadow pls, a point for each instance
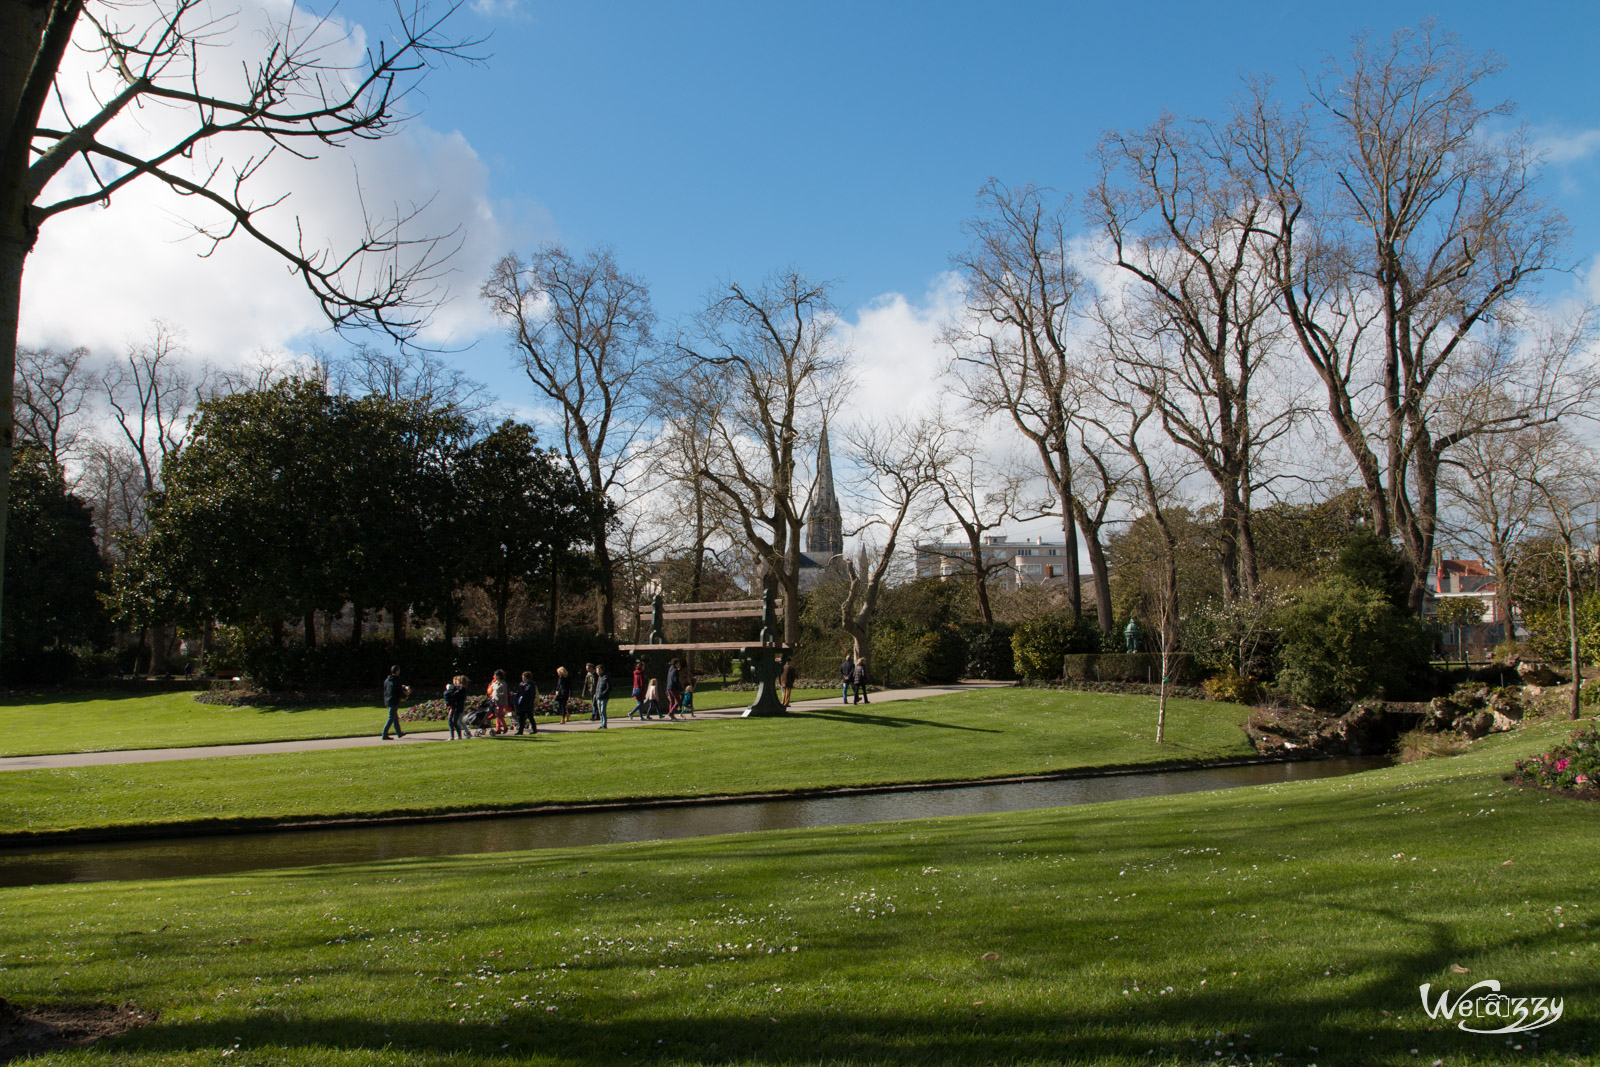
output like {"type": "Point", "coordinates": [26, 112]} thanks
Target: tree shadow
{"type": "Point", "coordinates": [861, 718]}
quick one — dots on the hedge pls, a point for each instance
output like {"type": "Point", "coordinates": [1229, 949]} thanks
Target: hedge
{"type": "Point", "coordinates": [1125, 667]}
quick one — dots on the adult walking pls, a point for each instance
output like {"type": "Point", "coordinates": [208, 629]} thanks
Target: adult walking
{"type": "Point", "coordinates": [563, 691]}
{"type": "Point", "coordinates": [859, 677]}
{"type": "Point", "coordinates": [847, 674]}
{"type": "Point", "coordinates": [525, 702]}
{"type": "Point", "coordinates": [674, 688]}
{"type": "Point", "coordinates": [500, 699]}
{"type": "Point", "coordinates": [638, 689]}
{"type": "Point", "coordinates": [786, 679]}
{"type": "Point", "coordinates": [394, 694]}
{"type": "Point", "coordinates": [455, 698]}
{"type": "Point", "coordinates": [602, 691]}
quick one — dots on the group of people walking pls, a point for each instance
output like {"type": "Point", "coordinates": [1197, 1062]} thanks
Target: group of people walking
{"type": "Point", "coordinates": [652, 701]}
{"type": "Point", "coordinates": [507, 704]}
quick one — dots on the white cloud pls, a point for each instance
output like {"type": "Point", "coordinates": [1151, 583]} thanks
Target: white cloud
{"type": "Point", "coordinates": [1564, 147]}
{"type": "Point", "coordinates": [99, 275]}
{"type": "Point", "coordinates": [898, 356]}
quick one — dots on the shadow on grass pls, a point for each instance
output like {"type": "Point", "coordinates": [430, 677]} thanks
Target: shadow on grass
{"type": "Point", "coordinates": [861, 718]}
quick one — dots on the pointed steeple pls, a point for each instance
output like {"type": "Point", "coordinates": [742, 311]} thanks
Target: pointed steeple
{"type": "Point", "coordinates": [824, 521]}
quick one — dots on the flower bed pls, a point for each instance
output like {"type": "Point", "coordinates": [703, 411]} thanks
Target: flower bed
{"type": "Point", "coordinates": [1572, 767]}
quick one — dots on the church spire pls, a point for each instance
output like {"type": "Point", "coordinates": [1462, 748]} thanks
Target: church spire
{"type": "Point", "coordinates": [824, 521]}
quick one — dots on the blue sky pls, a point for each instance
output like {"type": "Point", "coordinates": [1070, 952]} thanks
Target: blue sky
{"type": "Point", "coordinates": [708, 141]}
{"type": "Point", "coordinates": [711, 142]}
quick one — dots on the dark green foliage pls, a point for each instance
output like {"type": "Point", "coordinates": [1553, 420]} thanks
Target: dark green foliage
{"type": "Point", "coordinates": [907, 657]}
{"type": "Point", "coordinates": [1124, 667]}
{"type": "Point", "coordinates": [1040, 646]}
{"type": "Point", "coordinates": [428, 665]}
{"type": "Point", "coordinates": [1369, 560]}
{"type": "Point", "coordinates": [1307, 539]}
{"type": "Point", "coordinates": [54, 577]}
{"type": "Point", "coordinates": [989, 652]}
{"type": "Point", "coordinates": [1341, 641]}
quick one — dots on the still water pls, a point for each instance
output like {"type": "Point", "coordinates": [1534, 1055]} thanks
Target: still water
{"type": "Point", "coordinates": [195, 856]}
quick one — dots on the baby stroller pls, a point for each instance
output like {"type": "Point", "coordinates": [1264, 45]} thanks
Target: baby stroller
{"type": "Point", "coordinates": [479, 718]}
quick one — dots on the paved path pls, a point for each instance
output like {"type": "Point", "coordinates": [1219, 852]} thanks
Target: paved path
{"type": "Point", "coordinates": [416, 737]}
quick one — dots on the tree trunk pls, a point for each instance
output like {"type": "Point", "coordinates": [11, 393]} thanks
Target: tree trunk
{"type": "Point", "coordinates": [1575, 710]}
{"type": "Point", "coordinates": [555, 600]}
{"type": "Point", "coordinates": [603, 566]}
{"type": "Point", "coordinates": [1100, 574]}
{"type": "Point", "coordinates": [357, 614]}
{"type": "Point", "coordinates": [310, 625]}
{"type": "Point", "coordinates": [14, 247]}
{"type": "Point", "coordinates": [502, 601]}
{"type": "Point", "coordinates": [397, 614]}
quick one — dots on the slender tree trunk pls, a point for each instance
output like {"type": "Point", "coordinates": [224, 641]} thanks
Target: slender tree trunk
{"type": "Point", "coordinates": [309, 624]}
{"type": "Point", "coordinates": [1575, 710]}
{"type": "Point", "coordinates": [502, 601]}
{"type": "Point", "coordinates": [357, 614]}
{"type": "Point", "coordinates": [1069, 528]}
{"type": "Point", "coordinates": [1099, 573]}
{"type": "Point", "coordinates": [603, 565]}
{"type": "Point", "coordinates": [555, 600]}
{"type": "Point", "coordinates": [398, 614]}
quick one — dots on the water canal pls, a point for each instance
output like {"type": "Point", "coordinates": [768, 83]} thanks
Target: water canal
{"type": "Point", "coordinates": [184, 857]}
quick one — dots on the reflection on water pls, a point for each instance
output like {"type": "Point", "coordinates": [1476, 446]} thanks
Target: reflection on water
{"type": "Point", "coordinates": [197, 856]}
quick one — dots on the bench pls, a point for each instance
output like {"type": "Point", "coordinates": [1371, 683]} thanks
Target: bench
{"type": "Point", "coordinates": [765, 657]}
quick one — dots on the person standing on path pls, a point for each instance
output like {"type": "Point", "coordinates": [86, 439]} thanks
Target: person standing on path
{"type": "Point", "coordinates": [394, 693]}
{"type": "Point", "coordinates": [455, 698]}
{"type": "Point", "coordinates": [847, 674]}
{"type": "Point", "coordinates": [602, 691]}
{"type": "Point", "coordinates": [786, 678]}
{"type": "Point", "coordinates": [524, 702]}
{"type": "Point", "coordinates": [563, 691]}
{"type": "Point", "coordinates": [860, 679]}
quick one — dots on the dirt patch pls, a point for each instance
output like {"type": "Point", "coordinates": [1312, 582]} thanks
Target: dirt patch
{"type": "Point", "coordinates": [28, 1032]}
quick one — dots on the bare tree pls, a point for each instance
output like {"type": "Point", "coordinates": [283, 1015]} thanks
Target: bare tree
{"type": "Point", "coordinates": [298, 96]}
{"type": "Point", "coordinates": [1486, 489]}
{"type": "Point", "coordinates": [150, 394]}
{"type": "Point", "coordinates": [693, 405]}
{"type": "Point", "coordinates": [978, 497]}
{"type": "Point", "coordinates": [900, 460]}
{"type": "Point", "coordinates": [1407, 239]}
{"type": "Point", "coordinates": [1562, 472]}
{"type": "Point", "coordinates": [52, 388]}
{"type": "Point", "coordinates": [772, 351]}
{"type": "Point", "coordinates": [1183, 222]}
{"type": "Point", "coordinates": [1016, 353]}
{"type": "Point", "coordinates": [581, 329]}
{"type": "Point", "coordinates": [410, 374]}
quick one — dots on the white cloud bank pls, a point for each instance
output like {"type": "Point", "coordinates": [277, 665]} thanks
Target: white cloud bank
{"type": "Point", "coordinates": [99, 275]}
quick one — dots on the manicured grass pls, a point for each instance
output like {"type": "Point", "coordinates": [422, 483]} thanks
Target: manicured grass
{"type": "Point", "coordinates": [101, 722]}
{"type": "Point", "coordinates": [104, 722]}
{"type": "Point", "coordinates": [109, 722]}
{"type": "Point", "coordinates": [980, 734]}
{"type": "Point", "coordinates": [1288, 924]}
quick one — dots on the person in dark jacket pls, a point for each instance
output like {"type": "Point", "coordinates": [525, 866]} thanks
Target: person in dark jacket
{"type": "Point", "coordinates": [524, 701]}
{"type": "Point", "coordinates": [847, 674]}
{"type": "Point", "coordinates": [563, 691]}
{"type": "Point", "coordinates": [860, 679]}
{"type": "Point", "coordinates": [674, 688]}
{"type": "Point", "coordinates": [455, 698]}
{"type": "Point", "coordinates": [394, 694]}
{"type": "Point", "coordinates": [786, 679]}
{"type": "Point", "coordinates": [602, 691]}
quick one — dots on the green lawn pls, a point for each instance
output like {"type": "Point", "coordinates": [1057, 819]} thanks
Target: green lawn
{"type": "Point", "coordinates": [981, 734]}
{"type": "Point", "coordinates": [1288, 924]}
{"type": "Point", "coordinates": [42, 724]}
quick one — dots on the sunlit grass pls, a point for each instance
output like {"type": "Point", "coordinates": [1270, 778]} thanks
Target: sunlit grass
{"type": "Point", "coordinates": [1284, 924]}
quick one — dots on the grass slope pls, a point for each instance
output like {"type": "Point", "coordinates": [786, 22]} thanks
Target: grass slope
{"type": "Point", "coordinates": [45, 724]}
{"type": "Point", "coordinates": [972, 735]}
{"type": "Point", "coordinates": [1287, 924]}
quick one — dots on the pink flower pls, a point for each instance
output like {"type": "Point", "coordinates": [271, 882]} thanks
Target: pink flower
{"type": "Point", "coordinates": [1583, 779]}
{"type": "Point", "coordinates": [1561, 764]}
